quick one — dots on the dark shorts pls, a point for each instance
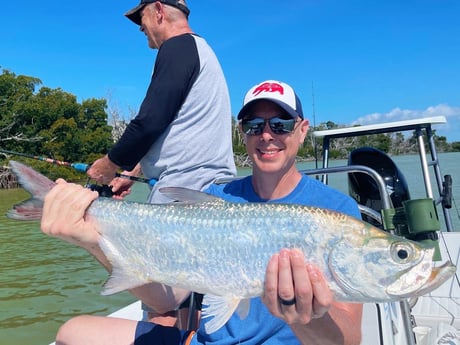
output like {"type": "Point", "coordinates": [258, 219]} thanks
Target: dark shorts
{"type": "Point", "coordinates": [148, 333]}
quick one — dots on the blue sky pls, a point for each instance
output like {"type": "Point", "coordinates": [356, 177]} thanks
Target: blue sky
{"type": "Point", "coordinates": [364, 61]}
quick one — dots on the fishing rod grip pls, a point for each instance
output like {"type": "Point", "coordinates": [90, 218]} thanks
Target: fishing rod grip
{"type": "Point", "coordinates": [81, 167]}
{"type": "Point", "coordinates": [151, 182]}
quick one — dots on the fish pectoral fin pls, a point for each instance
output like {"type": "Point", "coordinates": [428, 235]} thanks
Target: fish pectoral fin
{"type": "Point", "coordinates": [187, 195]}
{"type": "Point", "coordinates": [119, 281]}
{"type": "Point", "coordinates": [220, 309]}
{"type": "Point", "coordinates": [243, 308]}
{"type": "Point", "coordinates": [121, 278]}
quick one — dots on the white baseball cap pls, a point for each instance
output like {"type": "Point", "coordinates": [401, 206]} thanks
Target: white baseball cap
{"type": "Point", "coordinates": [275, 91]}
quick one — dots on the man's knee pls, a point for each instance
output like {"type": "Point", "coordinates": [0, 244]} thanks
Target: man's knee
{"type": "Point", "coordinates": [69, 332]}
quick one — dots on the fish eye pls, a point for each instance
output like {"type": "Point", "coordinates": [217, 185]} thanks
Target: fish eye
{"type": "Point", "coordinates": [402, 252]}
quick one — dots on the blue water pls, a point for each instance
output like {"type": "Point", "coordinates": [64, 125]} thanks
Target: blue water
{"type": "Point", "coordinates": [45, 281]}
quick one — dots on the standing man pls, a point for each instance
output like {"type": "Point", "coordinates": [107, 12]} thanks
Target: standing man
{"type": "Point", "coordinates": [182, 133]}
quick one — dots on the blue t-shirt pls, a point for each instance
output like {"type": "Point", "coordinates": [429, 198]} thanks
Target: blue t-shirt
{"type": "Point", "coordinates": [260, 326]}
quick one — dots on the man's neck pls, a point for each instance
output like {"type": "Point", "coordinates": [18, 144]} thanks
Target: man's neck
{"type": "Point", "coordinates": [178, 29]}
{"type": "Point", "coordinates": [276, 185]}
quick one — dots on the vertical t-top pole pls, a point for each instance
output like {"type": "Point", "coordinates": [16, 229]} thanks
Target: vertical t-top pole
{"type": "Point", "coordinates": [423, 161]}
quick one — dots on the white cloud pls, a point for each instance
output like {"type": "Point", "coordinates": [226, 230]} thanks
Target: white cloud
{"type": "Point", "coordinates": [451, 130]}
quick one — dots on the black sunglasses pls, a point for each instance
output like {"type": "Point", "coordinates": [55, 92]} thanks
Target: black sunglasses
{"type": "Point", "coordinates": [278, 125]}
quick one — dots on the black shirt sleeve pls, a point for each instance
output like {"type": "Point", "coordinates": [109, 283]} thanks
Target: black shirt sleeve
{"type": "Point", "coordinates": [176, 68]}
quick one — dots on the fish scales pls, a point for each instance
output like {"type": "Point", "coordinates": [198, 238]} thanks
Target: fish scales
{"type": "Point", "coordinates": [190, 241]}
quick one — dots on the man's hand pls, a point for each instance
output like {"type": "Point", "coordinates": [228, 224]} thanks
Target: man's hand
{"type": "Point", "coordinates": [294, 291]}
{"type": "Point", "coordinates": [103, 170]}
{"type": "Point", "coordinates": [64, 214]}
{"type": "Point", "coordinates": [121, 187]}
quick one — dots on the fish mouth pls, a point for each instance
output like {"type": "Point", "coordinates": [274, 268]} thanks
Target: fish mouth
{"type": "Point", "coordinates": [439, 275]}
{"type": "Point", "coordinates": [421, 278]}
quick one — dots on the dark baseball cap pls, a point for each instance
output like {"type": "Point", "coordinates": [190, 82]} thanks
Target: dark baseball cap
{"type": "Point", "coordinates": [135, 13]}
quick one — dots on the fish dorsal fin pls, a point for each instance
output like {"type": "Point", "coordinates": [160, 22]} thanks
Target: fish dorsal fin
{"type": "Point", "coordinates": [187, 195]}
{"type": "Point", "coordinates": [220, 309]}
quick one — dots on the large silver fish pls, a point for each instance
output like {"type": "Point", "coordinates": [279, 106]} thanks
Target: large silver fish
{"type": "Point", "coordinates": [221, 249]}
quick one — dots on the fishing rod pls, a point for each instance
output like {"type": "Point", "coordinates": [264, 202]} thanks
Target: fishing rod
{"type": "Point", "coordinates": [81, 167]}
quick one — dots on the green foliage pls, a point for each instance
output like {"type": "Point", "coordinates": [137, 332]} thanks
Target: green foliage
{"type": "Point", "coordinates": [50, 122]}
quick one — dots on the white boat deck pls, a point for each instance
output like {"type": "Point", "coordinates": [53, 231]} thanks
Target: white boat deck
{"type": "Point", "coordinates": [443, 304]}
{"type": "Point", "coordinates": [132, 311]}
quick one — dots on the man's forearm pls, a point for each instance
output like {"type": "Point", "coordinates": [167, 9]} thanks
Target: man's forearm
{"type": "Point", "coordinates": [337, 327]}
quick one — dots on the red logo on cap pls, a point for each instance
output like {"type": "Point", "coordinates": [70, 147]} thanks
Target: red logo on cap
{"type": "Point", "coordinates": [268, 87]}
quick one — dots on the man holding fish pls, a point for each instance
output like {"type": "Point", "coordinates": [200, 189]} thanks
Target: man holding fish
{"type": "Point", "coordinates": [297, 306]}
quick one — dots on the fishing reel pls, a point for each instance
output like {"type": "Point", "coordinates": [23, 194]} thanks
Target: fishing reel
{"type": "Point", "coordinates": [103, 190]}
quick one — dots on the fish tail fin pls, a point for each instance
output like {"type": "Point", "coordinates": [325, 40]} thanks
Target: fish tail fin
{"type": "Point", "coordinates": [221, 309]}
{"type": "Point", "coordinates": [34, 183]}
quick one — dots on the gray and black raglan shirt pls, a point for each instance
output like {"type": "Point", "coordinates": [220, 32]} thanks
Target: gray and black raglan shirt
{"type": "Point", "coordinates": [182, 133]}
